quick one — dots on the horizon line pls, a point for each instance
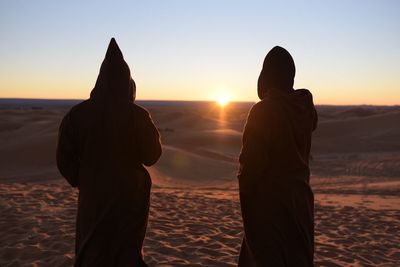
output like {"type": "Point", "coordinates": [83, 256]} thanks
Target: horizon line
{"type": "Point", "coordinates": [183, 100]}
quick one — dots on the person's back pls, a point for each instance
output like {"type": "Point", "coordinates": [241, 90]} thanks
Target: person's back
{"type": "Point", "coordinates": [103, 143]}
{"type": "Point", "coordinates": [276, 200]}
{"type": "Point", "coordinates": [284, 122]}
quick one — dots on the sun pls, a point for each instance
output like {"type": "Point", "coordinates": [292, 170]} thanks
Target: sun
{"type": "Point", "coordinates": [222, 101]}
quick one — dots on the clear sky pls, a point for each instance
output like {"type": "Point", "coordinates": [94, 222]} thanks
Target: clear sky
{"type": "Point", "coordinates": [346, 52]}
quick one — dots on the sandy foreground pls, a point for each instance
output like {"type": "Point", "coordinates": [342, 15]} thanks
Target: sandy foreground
{"type": "Point", "coordinates": [195, 215]}
{"type": "Point", "coordinates": [190, 227]}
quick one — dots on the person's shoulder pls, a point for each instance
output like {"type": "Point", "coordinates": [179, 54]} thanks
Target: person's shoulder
{"type": "Point", "coordinates": [139, 110]}
{"type": "Point", "coordinates": [304, 92]}
{"type": "Point", "coordinates": [77, 110]}
{"type": "Point", "coordinates": [266, 105]}
{"type": "Point", "coordinates": [261, 110]}
{"type": "Point", "coordinates": [306, 97]}
{"type": "Point", "coordinates": [80, 107]}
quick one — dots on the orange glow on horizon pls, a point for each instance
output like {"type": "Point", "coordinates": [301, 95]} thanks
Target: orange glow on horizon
{"type": "Point", "coordinates": [223, 101]}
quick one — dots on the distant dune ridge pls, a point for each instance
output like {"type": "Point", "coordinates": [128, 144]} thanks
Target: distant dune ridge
{"type": "Point", "coordinates": [195, 215]}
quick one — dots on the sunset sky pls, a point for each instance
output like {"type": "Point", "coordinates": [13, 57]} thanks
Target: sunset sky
{"type": "Point", "coordinates": [346, 52]}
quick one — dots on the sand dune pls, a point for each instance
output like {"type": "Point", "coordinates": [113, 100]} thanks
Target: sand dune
{"type": "Point", "coordinates": [377, 133]}
{"type": "Point", "coordinates": [190, 168]}
{"type": "Point", "coordinates": [195, 215]}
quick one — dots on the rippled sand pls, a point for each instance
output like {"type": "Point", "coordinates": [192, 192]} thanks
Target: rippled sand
{"type": "Point", "coordinates": [192, 227]}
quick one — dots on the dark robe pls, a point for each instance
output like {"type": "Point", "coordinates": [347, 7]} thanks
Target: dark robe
{"type": "Point", "coordinates": [276, 199]}
{"type": "Point", "coordinates": [103, 144]}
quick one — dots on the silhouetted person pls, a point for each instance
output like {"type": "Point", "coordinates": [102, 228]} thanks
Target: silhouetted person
{"type": "Point", "coordinates": [102, 146]}
{"type": "Point", "coordinates": [276, 199]}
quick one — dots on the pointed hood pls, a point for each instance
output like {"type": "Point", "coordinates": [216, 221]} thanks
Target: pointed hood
{"type": "Point", "coordinates": [278, 71]}
{"type": "Point", "coordinates": [114, 81]}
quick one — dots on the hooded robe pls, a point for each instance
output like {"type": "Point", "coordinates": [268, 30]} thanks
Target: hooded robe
{"type": "Point", "coordinates": [102, 146]}
{"type": "Point", "coordinates": [276, 199]}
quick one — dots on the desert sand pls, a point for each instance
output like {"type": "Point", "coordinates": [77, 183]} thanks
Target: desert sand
{"type": "Point", "coordinates": [195, 213]}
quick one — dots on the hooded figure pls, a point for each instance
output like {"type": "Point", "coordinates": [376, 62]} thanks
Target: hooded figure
{"type": "Point", "coordinates": [276, 199]}
{"type": "Point", "coordinates": [102, 146]}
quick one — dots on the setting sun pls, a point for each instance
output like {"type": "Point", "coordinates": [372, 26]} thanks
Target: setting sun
{"type": "Point", "coordinates": [222, 101]}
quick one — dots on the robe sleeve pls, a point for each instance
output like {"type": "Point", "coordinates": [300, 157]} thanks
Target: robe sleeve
{"type": "Point", "coordinates": [253, 157]}
{"type": "Point", "coordinates": [314, 113]}
{"type": "Point", "coordinates": [315, 120]}
{"type": "Point", "coordinates": [148, 139]}
{"type": "Point", "coordinates": [67, 156]}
